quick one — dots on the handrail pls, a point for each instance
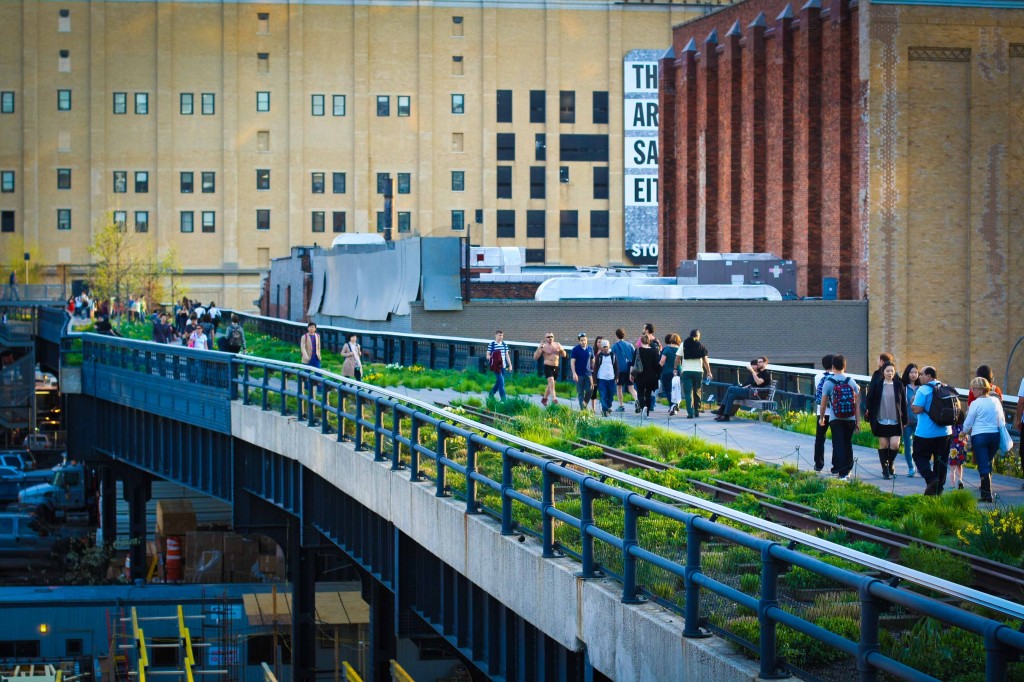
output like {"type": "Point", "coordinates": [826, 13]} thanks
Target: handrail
{"type": "Point", "coordinates": [896, 570]}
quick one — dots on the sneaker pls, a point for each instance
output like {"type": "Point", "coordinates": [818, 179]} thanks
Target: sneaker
{"type": "Point", "coordinates": [959, 485]}
{"type": "Point", "coordinates": [672, 410]}
{"type": "Point", "coordinates": [647, 412]}
{"type": "Point", "coordinates": [636, 407]}
{"type": "Point", "coordinates": [844, 478]}
{"type": "Point", "coordinates": [620, 408]}
{"type": "Point", "coordinates": [910, 475]}
{"type": "Point", "coordinates": [885, 475]}
{"type": "Point", "coordinates": [544, 401]}
{"type": "Point", "coordinates": [817, 470]}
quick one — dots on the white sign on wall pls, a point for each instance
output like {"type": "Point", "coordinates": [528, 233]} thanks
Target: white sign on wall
{"type": "Point", "coordinates": [640, 155]}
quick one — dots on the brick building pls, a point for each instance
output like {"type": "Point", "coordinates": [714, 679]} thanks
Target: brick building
{"type": "Point", "coordinates": [878, 142]}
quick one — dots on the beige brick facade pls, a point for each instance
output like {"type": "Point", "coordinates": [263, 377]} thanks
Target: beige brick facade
{"type": "Point", "coordinates": [356, 49]}
{"type": "Point", "coordinates": [943, 197]}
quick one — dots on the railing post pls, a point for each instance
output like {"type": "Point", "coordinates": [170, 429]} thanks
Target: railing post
{"type": "Point", "coordinates": [997, 658]}
{"type": "Point", "coordinates": [414, 455]}
{"type": "Point", "coordinates": [629, 540]}
{"type": "Point", "coordinates": [471, 505]}
{"type": "Point", "coordinates": [451, 356]}
{"type": "Point", "coordinates": [378, 426]}
{"type": "Point", "coordinates": [266, 387]}
{"type": "Point", "coordinates": [341, 412]}
{"type": "Point", "coordinates": [245, 384]}
{"type": "Point", "coordinates": [691, 622]}
{"type": "Point", "coordinates": [325, 403]}
{"type": "Point", "coordinates": [586, 520]}
{"type": "Point", "coordinates": [357, 439]}
{"type": "Point", "coordinates": [769, 600]}
{"type": "Point", "coordinates": [311, 400]}
{"type": "Point", "coordinates": [396, 431]}
{"type": "Point", "coordinates": [506, 486]}
{"type": "Point", "coordinates": [870, 611]}
{"type": "Point", "coordinates": [441, 481]}
{"type": "Point", "coordinates": [547, 522]}
{"type": "Point", "coordinates": [284, 390]}
{"type": "Point", "coordinates": [432, 355]}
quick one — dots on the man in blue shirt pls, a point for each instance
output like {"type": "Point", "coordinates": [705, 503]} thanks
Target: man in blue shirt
{"type": "Point", "coordinates": [931, 441]}
{"type": "Point", "coordinates": [624, 353]}
{"type": "Point", "coordinates": [582, 369]}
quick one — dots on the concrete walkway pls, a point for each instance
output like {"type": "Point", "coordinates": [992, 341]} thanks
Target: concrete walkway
{"type": "Point", "coordinates": [773, 446]}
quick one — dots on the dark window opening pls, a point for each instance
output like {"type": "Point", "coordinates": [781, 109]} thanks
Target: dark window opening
{"type": "Point", "coordinates": [504, 182]}
{"type": "Point", "coordinates": [583, 148]}
{"type": "Point", "coordinates": [567, 106]}
{"type": "Point", "coordinates": [535, 224]}
{"type": "Point", "coordinates": [600, 182]}
{"type": "Point", "coordinates": [537, 180]}
{"type": "Point", "coordinates": [504, 106]}
{"type": "Point", "coordinates": [568, 224]}
{"type": "Point", "coordinates": [538, 107]}
{"type": "Point", "coordinates": [600, 106]}
{"type": "Point", "coordinates": [599, 224]}
{"type": "Point", "coordinates": [506, 224]}
{"type": "Point", "coordinates": [506, 146]}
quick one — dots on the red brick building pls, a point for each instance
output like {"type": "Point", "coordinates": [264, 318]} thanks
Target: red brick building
{"type": "Point", "coordinates": [760, 140]}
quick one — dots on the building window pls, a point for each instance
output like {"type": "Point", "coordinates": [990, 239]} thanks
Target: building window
{"type": "Point", "coordinates": [209, 103]}
{"type": "Point", "coordinates": [263, 22]}
{"type": "Point", "coordinates": [317, 183]}
{"type": "Point", "coordinates": [142, 221]}
{"type": "Point", "coordinates": [600, 182]}
{"type": "Point", "coordinates": [404, 183]}
{"type": "Point", "coordinates": [383, 105]}
{"type": "Point", "coordinates": [318, 105]}
{"type": "Point", "coordinates": [63, 178]}
{"type": "Point", "coordinates": [338, 183]}
{"type": "Point", "coordinates": [506, 146]}
{"type": "Point", "coordinates": [142, 103]}
{"type": "Point", "coordinates": [209, 180]}
{"type": "Point", "coordinates": [263, 140]}
{"type": "Point", "coordinates": [186, 103]}
{"type": "Point", "coordinates": [141, 182]}
{"type": "Point", "coordinates": [63, 100]}
{"type": "Point", "coordinates": [563, 174]}
{"type": "Point", "coordinates": [458, 181]}
{"type": "Point", "coordinates": [504, 182]}
{"type": "Point", "coordinates": [262, 179]}
{"type": "Point", "coordinates": [262, 62]}
{"type": "Point", "coordinates": [120, 182]}
{"type": "Point", "coordinates": [599, 224]}
{"type": "Point", "coordinates": [600, 106]}
{"type": "Point", "coordinates": [7, 182]}
{"type": "Point", "coordinates": [535, 224]}
{"type": "Point", "coordinates": [382, 221]}
{"type": "Point", "coordinates": [64, 21]}
{"type": "Point", "coordinates": [263, 101]}
{"type": "Point", "coordinates": [64, 61]}
{"type": "Point", "coordinates": [458, 104]}
{"type": "Point", "coordinates": [538, 106]}
{"type": "Point", "coordinates": [185, 182]}
{"type": "Point", "coordinates": [504, 106]}
{"type": "Point", "coordinates": [63, 218]}
{"type": "Point", "coordinates": [121, 103]}
{"type": "Point", "coordinates": [404, 221]}
{"type": "Point", "coordinates": [263, 219]}
{"type": "Point", "coordinates": [188, 221]}
{"type": "Point", "coordinates": [6, 221]}
{"type": "Point", "coordinates": [338, 220]}
{"type": "Point", "coordinates": [458, 220]}
{"type": "Point", "coordinates": [457, 142]}
{"type": "Point", "coordinates": [567, 106]}
{"type": "Point", "coordinates": [209, 221]}
{"type": "Point", "coordinates": [120, 220]}
{"type": "Point", "coordinates": [457, 69]}
{"type": "Point", "coordinates": [540, 147]}
{"type": "Point", "coordinates": [506, 224]}
{"type": "Point", "coordinates": [457, 27]}
{"type": "Point", "coordinates": [7, 102]}
{"type": "Point", "coordinates": [537, 182]}
{"type": "Point", "coordinates": [382, 183]}
{"type": "Point", "coordinates": [568, 224]}
{"type": "Point", "coordinates": [404, 105]}
{"type": "Point", "coordinates": [535, 255]}
{"type": "Point", "coordinates": [338, 105]}
{"type": "Point", "coordinates": [318, 221]}
{"type": "Point", "coordinates": [583, 147]}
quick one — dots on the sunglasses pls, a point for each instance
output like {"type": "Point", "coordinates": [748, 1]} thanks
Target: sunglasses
{"type": "Point", "coordinates": [549, 337]}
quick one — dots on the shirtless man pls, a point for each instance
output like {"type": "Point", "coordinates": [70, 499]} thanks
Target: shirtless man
{"type": "Point", "coordinates": [551, 351]}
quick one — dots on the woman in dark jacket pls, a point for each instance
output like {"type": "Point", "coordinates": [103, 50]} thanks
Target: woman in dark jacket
{"type": "Point", "coordinates": [886, 410]}
{"type": "Point", "coordinates": [647, 380]}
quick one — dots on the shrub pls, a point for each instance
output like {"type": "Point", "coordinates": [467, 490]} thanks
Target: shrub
{"type": "Point", "coordinates": [945, 653]}
{"type": "Point", "coordinates": [938, 563]}
{"type": "Point", "coordinates": [750, 583]}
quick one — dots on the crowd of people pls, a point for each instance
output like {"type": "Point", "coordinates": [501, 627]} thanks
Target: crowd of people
{"type": "Point", "coordinates": [197, 326]}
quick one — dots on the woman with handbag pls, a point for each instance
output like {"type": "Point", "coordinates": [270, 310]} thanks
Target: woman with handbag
{"type": "Point", "coordinates": [645, 373]}
{"type": "Point", "coordinates": [986, 424]}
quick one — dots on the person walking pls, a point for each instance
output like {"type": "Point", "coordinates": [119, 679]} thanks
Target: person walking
{"type": "Point", "coordinates": [887, 414]}
{"type": "Point", "coordinates": [310, 346]}
{"type": "Point", "coordinates": [12, 287]}
{"type": "Point", "coordinates": [931, 440]}
{"type": "Point", "coordinates": [551, 351]}
{"type": "Point", "coordinates": [352, 367]}
{"type": "Point", "coordinates": [646, 372]}
{"type": "Point", "coordinates": [234, 336]}
{"type": "Point", "coordinates": [215, 316]}
{"type": "Point", "coordinates": [606, 369]}
{"type": "Point", "coordinates": [198, 339]}
{"type": "Point", "coordinates": [595, 393]}
{"type": "Point", "coordinates": [497, 358]}
{"type": "Point", "coordinates": [911, 382]}
{"type": "Point", "coordinates": [582, 366]}
{"type": "Point", "coordinates": [668, 369]}
{"type": "Point", "coordinates": [624, 353]}
{"type": "Point", "coordinates": [692, 361]}
{"type": "Point", "coordinates": [984, 423]}
{"type": "Point", "coordinates": [821, 428]}
{"type": "Point", "coordinates": [840, 393]}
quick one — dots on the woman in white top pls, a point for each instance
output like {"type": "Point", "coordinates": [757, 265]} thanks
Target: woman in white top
{"type": "Point", "coordinates": [198, 339]}
{"type": "Point", "coordinates": [985, 421]}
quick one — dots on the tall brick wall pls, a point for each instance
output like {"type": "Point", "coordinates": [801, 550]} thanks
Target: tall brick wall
{"type": "Point", "coordinates": [763, 123]}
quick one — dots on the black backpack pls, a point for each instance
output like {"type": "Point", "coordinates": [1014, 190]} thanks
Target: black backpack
{"type": "Point", "coordinates": [944, 408]}
{"type": "Point", "coordinates": [235, 338]}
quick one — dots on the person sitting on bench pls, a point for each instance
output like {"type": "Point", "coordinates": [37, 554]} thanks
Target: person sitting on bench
{"type": "Point", "coordinates": [760, 377]}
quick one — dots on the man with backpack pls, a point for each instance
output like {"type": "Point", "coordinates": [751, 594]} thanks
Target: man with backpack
{"type": "Point", "coordinates": [498, 362]}
{"type": "Point", "coordinates": [840, 395]}
{"type": "Point", "coordinates": [234, 336]}
{"type": "Point", "coordinates": [937, 406]}
{"type": "Point", "coordinates": [822, 427]}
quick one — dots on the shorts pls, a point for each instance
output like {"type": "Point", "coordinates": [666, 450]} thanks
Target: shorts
{"type": "Point", "coordinates": [886, 430]}
{"type": "Point", "coordinates": [550, 372]}
{"type": "Point", "coordinates": [624, 380]}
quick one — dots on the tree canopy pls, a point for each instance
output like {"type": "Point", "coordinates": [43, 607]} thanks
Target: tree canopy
{"type": "Point", "coordinates": [126, 264]}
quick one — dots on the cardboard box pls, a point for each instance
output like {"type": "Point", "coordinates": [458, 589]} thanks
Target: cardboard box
{"type": "Point", "coordinates": [175, 517]}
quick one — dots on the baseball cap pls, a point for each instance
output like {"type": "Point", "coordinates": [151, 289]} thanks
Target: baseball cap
{"type": "Point", "coordinates": [581, 335]}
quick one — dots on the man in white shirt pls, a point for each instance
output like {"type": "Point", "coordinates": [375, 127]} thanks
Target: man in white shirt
{"type": "Point", "coordinates": [822, 428]}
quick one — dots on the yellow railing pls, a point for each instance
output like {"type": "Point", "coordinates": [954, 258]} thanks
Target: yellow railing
{"type": "Point", "coordinates": [349, 673]}
{"type": "Point", "coordinates": [398, 674]}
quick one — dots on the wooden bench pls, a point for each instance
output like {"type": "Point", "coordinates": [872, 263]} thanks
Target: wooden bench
{"type": "Point", "coordinates": [765, 403]}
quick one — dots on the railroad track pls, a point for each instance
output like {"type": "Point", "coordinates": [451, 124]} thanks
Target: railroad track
{"type": "Point", "coordinates": [989, 575]}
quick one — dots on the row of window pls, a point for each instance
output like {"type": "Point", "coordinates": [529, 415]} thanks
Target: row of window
{"type": "Point", "coordinates": [538, 181]}
{"type": "Point", "coordinates": [568, 224]}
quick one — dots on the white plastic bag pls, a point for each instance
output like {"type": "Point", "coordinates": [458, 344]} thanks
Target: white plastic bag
{"type": "Point", "coordinates": [677, 390]}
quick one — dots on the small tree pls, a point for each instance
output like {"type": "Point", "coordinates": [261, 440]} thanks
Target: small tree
{"type": "Point", "coordinates": [125, 263]}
